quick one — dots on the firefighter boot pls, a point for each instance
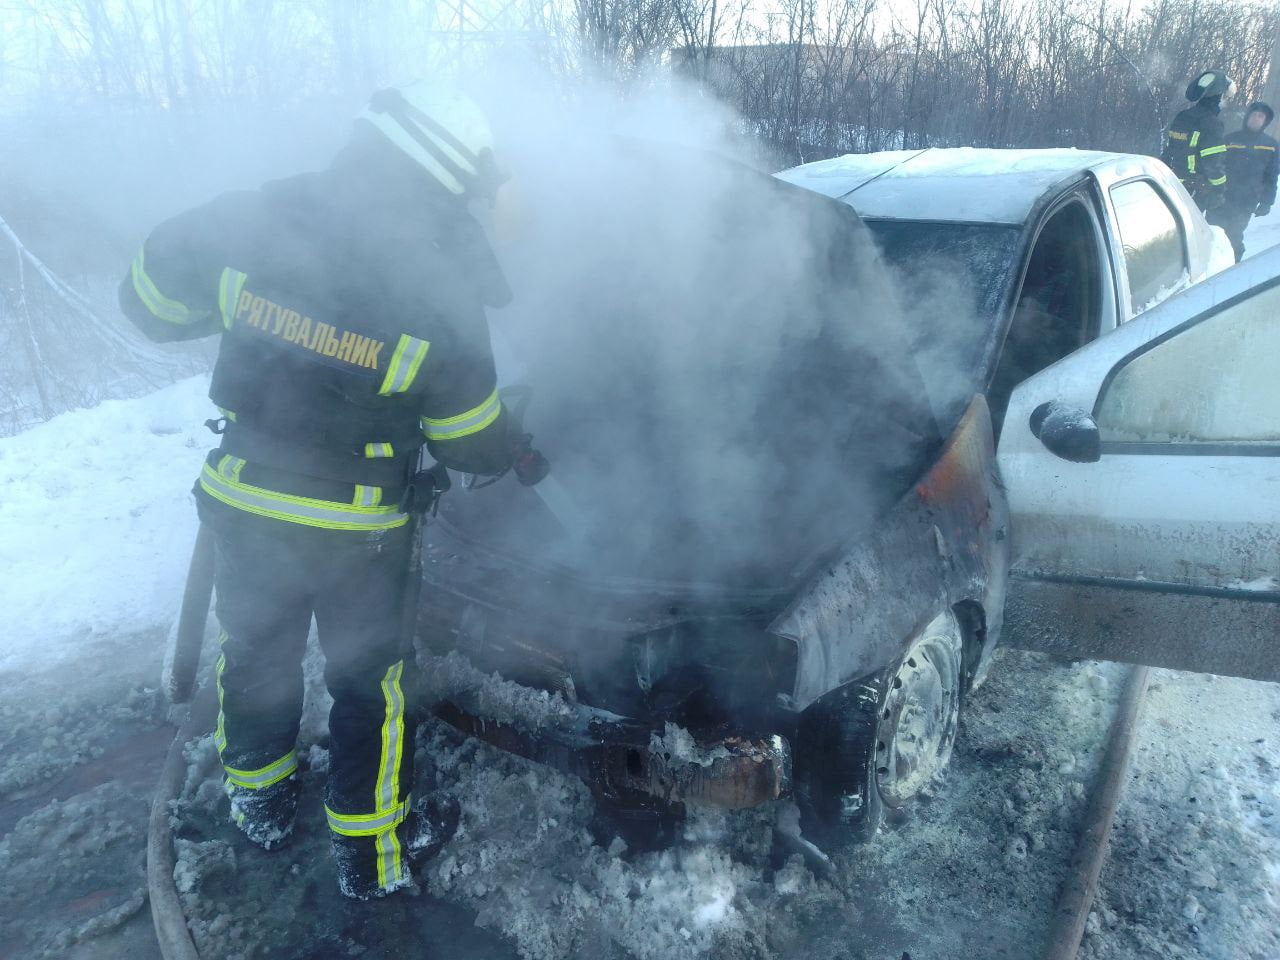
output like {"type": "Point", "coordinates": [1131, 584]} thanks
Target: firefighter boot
{"type": "Point", "coordinates": [266, 814]}
{"type": "Point", "coordinates": [375, 865]}
{"type": "Point", "coordinates": [432, 824]}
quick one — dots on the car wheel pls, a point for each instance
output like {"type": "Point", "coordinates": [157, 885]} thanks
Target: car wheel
{"type": "Point", "coordinates": [873, 745]}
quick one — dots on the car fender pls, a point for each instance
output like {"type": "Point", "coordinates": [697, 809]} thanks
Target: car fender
{"type": "Point", "coordinates": [941, 545]}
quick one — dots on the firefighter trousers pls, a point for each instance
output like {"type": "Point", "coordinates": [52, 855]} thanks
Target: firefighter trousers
{"type": "Point", "coordinates": [1233, 220]}
{"type": "Point", "coordinates": [271, 578]}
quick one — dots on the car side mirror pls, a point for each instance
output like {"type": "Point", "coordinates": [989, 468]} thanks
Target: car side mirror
{"type": "Point", "coordinates": [1067, 432]}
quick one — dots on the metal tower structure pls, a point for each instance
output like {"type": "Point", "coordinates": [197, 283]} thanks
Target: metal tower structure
{"type": "Point", "coordinates": [471, 26]}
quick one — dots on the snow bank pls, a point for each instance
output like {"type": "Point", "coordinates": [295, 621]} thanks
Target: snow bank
{"type": "Point", "coordinates": [1262, 233]}
{"type": "Point", "coordinates": [1194, 868]}
{"type": "Point", "coordinates": [98, 523]}
{"type": "Point", "coordinates": [524, 859]}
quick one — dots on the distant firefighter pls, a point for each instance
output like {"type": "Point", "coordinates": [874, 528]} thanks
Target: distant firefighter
{"type": "Point", "coordinates": [1252, 165]}
{"type": "Point", "coordinates": [1194, 148]}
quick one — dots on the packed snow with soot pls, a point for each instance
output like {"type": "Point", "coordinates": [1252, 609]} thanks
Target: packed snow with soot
{"type": "Point", "coordinates": [97, 528]}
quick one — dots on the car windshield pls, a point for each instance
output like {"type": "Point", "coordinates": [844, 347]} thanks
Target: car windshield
{"type": "Point", "coordinates": [956, 277]}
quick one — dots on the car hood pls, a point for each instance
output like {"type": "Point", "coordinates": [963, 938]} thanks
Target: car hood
{"type": "Point", "coordinates": [717, 372]}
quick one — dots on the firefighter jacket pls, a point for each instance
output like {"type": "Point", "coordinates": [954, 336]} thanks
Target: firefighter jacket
{"type": "Point", "coordinates": [350, 304]}
{"type": "Point", "coordinates": [1195, 151]}
{"type": "Point", "coordinates": [1252, 166]}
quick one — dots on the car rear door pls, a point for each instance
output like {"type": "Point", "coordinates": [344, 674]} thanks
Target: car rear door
{"type": "Point", "coordinates": [1152, 535]}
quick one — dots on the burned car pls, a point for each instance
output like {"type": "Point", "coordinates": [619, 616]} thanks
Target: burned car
{"type": "Point", "coordinates": [770, 558]}
{"type": "Point", "coordinates": [775, 549]}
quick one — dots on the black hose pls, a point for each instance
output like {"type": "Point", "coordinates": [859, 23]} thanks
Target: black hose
{"type": "Point", "coordinates": [166, 909]}
{"type": "Point", "coordinates": [188, 638]}
{"type": "Point", "coordinates": [1076, 897]}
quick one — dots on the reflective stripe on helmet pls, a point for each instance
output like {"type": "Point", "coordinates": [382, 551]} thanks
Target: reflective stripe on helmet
{"type": "Point", "coordinates": [464, 424]}
{"type": "Point", "coordinates": [443, 131]}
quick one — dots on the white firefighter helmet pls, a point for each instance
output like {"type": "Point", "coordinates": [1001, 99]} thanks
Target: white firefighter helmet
{"type": "Point", "coordinates": [1211, 83]}
{"type": "Point", "coordinates": [443, 131]}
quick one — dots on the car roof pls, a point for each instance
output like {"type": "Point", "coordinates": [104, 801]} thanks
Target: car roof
{"type": "Point", "coordinates": [970, 184]}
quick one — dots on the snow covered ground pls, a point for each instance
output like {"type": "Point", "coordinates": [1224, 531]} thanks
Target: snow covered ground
{"type": "Point", "coordinates": [1263, 232]}
{"type": "Point", "coordinates": [96, 526]}
{"type": "Point", "coordinates": [1194, 870]}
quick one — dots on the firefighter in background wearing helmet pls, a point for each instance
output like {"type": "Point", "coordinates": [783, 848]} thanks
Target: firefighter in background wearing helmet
{"type": "Point", "coordinates": [351, 304]}
{"type": "Point", "coordinates": [1252, 166]}
{"type": "Point", "coordinates": [1194, 147]}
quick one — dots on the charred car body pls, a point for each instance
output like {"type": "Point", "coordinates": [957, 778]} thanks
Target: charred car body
{"type": "Point", "coordinates": [773, 554]}
{"type": "Point", "coordinates": [765, 563]}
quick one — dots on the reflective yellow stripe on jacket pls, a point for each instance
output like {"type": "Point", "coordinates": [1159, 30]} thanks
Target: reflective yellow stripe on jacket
{"type": "Point", "coordinates": [464, 424]}
{"type": "Point", "coordinates": [229, 289]}
{"type": "Point", "coordinates": [160, 306]}
{"type": "Point", "coordinates": [224, 484]}
{"type": "Point", "coordinates": [403, 368]}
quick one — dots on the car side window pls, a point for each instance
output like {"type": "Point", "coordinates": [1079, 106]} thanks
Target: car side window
{"type": "Point", "coordinates": [1151, 241]}
{"type": "Point", "coordinates": [1212, 382]}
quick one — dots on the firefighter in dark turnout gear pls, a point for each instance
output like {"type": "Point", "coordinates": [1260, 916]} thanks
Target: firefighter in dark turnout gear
{"type": "Point", "coordinates": [1194, 147]}
{"type": "Point", "coordinates": [1252, 166]}
{"type": "Point", "coordinates": [351, 304]}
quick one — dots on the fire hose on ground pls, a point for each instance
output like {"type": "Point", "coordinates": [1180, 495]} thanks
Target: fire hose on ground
{"type": "Point", "coordinates": [1081, 884]}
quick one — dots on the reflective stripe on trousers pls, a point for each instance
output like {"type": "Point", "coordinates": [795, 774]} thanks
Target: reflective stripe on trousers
{"type": "Point", "coordinates": [273, 772]}
{"type": "Point", "coordinates": [263, 776]}
{"type": "Point", "coordinates": [389, 811]}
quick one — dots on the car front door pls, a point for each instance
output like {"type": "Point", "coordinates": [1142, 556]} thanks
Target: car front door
{"type": "Point", "coordinates": [1143, 474]}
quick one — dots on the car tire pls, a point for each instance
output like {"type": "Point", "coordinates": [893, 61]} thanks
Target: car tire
{"type": "Point", "coordinates": [870, 747]}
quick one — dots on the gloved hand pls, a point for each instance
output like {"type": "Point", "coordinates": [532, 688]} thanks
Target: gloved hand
{"type": "Point", "coordinates": [1263, 210]}
{"type": "Point", "coordinates": [527, 464]}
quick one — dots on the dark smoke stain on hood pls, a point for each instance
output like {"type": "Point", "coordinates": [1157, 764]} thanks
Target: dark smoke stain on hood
{"type": "Point", "coordinates": [720, 377]}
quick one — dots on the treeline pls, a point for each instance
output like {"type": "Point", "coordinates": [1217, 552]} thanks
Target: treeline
{"type": "Point", "coordinates": [116, 112]}
{"type": "Point", "coordinates": [811, 76]}
{"type": "Point", "coordinates": [826, 80]}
